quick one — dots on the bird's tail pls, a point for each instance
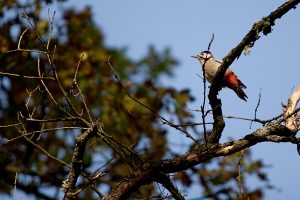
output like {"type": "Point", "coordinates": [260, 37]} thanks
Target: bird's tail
{"type": "Point", "coordinates": [239, 91]}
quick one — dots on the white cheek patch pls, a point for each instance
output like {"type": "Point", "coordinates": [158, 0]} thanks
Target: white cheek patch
{"type": "Point", "coordinates": [205, 56]}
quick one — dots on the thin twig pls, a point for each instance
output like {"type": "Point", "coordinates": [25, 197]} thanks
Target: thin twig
{"type": "Point", "coordinates": [169, 185]}
{"type": "Point", "coordinates": [45, 86]}
{"type": "Point", "coordinates": [50, 59]}
{"type": "Point", "coordinates": [40, 120]}
{"type": "Point", "coordinates": [11, 125]}
{"type": "Point", "coordinates": [164, 121]}
{"type": "Point", "coordinates": [200, 76]}
{"type": "Point", "coordinates": [20, 117]}
{"type": "Point", "coordinates": [239, 178]}
{"type": "Point", "coordinates": [91, 182]}
{"type": "Point", "coordinates": [28, 101]}
{"type": "Point", "coordinates": [27, 50]}
{"type": "Point", "coordinates": [79, 90]}
{"type": "Point", "coordinates": [126, 154]}
{"type": "Point", "coordinates": [204, 91]}
{"type": "Point", "coordinates": [21, 36]}
{"type": "Point", "coordinates": [25, 76]}
{"type": "Point", "coordinates": [24, 132]}
{"type": "Point", "coordinates": [15, 184]}
{"type": "Point", "coordinates": [261, 121]}
{"type": "Point", "coordinates": [42, 131]}
{"type": "Point", "coordinates": [54, 50]}
{"type": "Point", "coordinates": [256, 108]}
{"type": "Point", "coordinates": [47, 153]}
{"type": "Point", "coordinates": [243, 118]}
{"type": "Point", "coordinates": [51, 26]}
{"type": "Point", "coordinates": [192, 124]}
{"type": "Point", "coordinates": [54, 120]}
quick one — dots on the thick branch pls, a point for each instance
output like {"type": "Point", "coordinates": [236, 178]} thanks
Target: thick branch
{"type": "Point", "coordinates": [271, 133]}
{"type": "Point", "coordinates": [123, 189]}
{"type": "Point", "coordinates": [292, 121]}
{"type": "Point", "coordinates": [265, 26]}
{"type": "Point", "coordinates": [202, 153]}
{"type": "Point", "coordinates": [77, 162]}
{"type": "Point", "coordinates": [168, 184]}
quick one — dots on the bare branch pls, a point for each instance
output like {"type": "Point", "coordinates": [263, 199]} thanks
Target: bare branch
{"type": "Point", "coordinates": [42, 149]}
{"type": "Point", "coordinates": [132, 159]}
{"type": "Point", "coordinates": [42, 131]}
{"type": "Point", "coordinates": [202, 153]}
{"type": "Point", "coordinates": [68, 185]}
{"type": "Point", "coordinates": [79, 90]}
{"type": "Point", "coordinates": [265, 26]}
{"type": "Point", "coordinates": [30, 93]}
{"type": "Point", "coordinates": [239, 178]}
{"type": "Point", "coordinates": [256, 108]}
{"type": "Point", "coordinates": [248, 119]}
{"type": "Point", "coordinates": [292, 122]}
{"type": "Point", "coordinates": [21, 36]}
{"type": "Point", "coordinates": [51, 20]}
{"type": "Point", "coordinates": [54, 120]}
{"type": "Point", "coordinates": [164, 121]}
{"type": "Point", "coordinates": [15, 188]}
{"type": "Point", "coordinates": [168, 184]}
{"type": "Point", "coordinates": [192, 124]}
{"type": "Point", "coordinates": [25, 76]}
{"type": "Point", "coordinates": [204, 91]}
{"type": "Point", "coordinates": [45, 86]}
{"type": "Point", "coordinates": [50, 59]}
{"type": "Point", "coordinates": [11, 125]}
{"type": "Point", "coordinates": [27, 50]}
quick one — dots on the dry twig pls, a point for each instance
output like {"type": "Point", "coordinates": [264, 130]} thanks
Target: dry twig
{"type": "Point", "coordinates": [163, 120]}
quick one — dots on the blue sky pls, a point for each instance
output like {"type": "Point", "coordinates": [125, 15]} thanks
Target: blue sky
{"type": "Point", "coordinates": [186, 27]}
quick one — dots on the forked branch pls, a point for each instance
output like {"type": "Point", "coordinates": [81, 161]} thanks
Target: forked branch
{"type": "Point", "coordinates": [265, 26]}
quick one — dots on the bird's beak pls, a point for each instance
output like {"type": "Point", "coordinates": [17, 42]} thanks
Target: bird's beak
{"type": "Point", "coordinates": [194, 56]}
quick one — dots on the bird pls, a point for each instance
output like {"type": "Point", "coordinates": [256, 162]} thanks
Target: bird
{"type": "Point", "coordinates": [230, 80]}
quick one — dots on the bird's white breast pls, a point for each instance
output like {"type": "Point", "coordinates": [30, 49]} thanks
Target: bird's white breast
{"type": "Point", "coordinates": [211, 68]}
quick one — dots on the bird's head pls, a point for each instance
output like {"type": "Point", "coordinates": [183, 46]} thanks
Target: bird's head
{"type": "Point", "coordinates": [204, 56]}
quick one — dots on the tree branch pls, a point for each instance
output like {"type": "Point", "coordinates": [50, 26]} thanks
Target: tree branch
{"type": "Point", "coordinates": [202, 153]}
{"type": "Point", "coordinates": [161, 118]}
{"type": "Point", "coordinates": [265, 26]}
{"type": "Point", "coordinates": [292, 119]}
{"type": "Point", "coordinates": [77, 163]}
{"type": "Point", "coordinates": [167, 183]}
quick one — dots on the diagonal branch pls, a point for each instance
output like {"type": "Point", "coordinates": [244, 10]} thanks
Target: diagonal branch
{"type": "Point", "coordinates": [292, 120]}
{"type": "Point", "coordinates": [204, 91]}
{"type": "Point", "coordinates": [202, 153]}
{"type": "Point", "coordinates": [265, 26]}
{"type": "Point", "coordinates": [168, 184]}
{"type": "Point", "coordinates": [132, 159]}
{"type": "Point", "coordinates": [77, 163]}
{"type": "Point", "coordinates": [25, 76]}
{"type": "Point", "coordinates": [161, 118]}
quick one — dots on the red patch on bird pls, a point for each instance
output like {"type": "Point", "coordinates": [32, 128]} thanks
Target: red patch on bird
{"type": "Point", "coordinates": [231, 80]}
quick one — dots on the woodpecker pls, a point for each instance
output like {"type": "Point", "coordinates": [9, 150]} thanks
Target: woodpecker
{"type": "Point", "coordinates": [230, 80]}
